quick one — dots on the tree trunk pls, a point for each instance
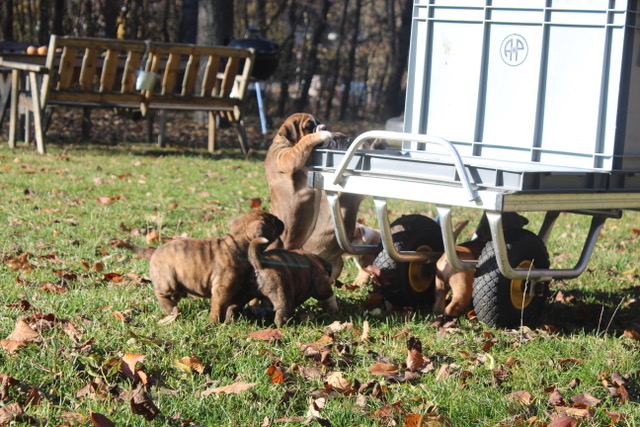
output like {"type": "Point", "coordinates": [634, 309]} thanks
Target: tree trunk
{"type": "Point", "coordinates": [317, 31]}
{"type": "Point", "coordinates": [215, 22]}
{"type": "Point", "coordinates": [334, 67]}
{"type": "Point", "coordinates": [110, 13]}
{"type": "Point", "coordinates": [6, 20]}
{"type": "Point", "coordinates": [189, 23]}
{"type": "Point", "coordinates": [59, 10]}
{"type": "Point", "coordinates": [393, 99]}
{"type": "Point", "coordinates": [351, 61]}
{"type": "Point", "coordinates": [288, 60]}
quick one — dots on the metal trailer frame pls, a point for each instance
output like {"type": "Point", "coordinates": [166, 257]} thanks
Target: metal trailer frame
{"type": "Point", "coordinates": [399, 174]}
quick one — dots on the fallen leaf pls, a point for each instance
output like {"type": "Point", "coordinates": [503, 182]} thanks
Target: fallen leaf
{"type": "Point", "coordinates": [339, 383]}
{"type": "Point", "coordinates": [142, 404]}
{"type": "Point", "coordinates": [383, 369]}
{"type": "Point", "coordinates": [415, 359]}
{"type": "Point", "coordinates": [73, 419]}
{"type": "Point", "coordinates": [563, 421]}
{"type": "Point", "coordinates": [267, 335]}
{"type": "Point", "coordinates": [235, 388]}
{"type": "Point", "coordinates": [575, 412]}
{"type": "Point", "coordinates": [188, 364]}
{"type": "Point", "coordinates": [152, 237]}
{"type": "Point", "coordinates": [255, 203]}
{"type": "Point", "coordinates": [364, 336]}
{"type": "Point", "coordinates": [13, 412]}
{"type": "Point", "coordinates": [556, 398]}
{"type": "Point", "coordinates": [276, 374]}
{"type": "Point", "coordinates": [11, 346]}
{"type": "Point", "coordinates": [310, 372]}
{"type": "Point", "coordinates": [522, 398]}
{"type": "Point", "coordinates": [128, 365]}
{"type": "Point", "coordinates": [22, 332]}
{"type": "Point", "coordinates": [585, 400]}
{"type": "Point", "coordinates": [99, 420]}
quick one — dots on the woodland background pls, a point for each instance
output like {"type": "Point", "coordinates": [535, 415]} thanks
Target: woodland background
{"type": "Point", "coordinates": [339, 59]}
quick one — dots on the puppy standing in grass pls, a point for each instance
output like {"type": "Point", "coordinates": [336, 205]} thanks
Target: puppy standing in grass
{"type": "Point", "coordinates": [288, 278]}
{"type": "Point", "coordinates": [292, 200]}
{"type": "Point", "coordinates": [305, 211]}
{"type": "Point", "coordinates": [208, 268]}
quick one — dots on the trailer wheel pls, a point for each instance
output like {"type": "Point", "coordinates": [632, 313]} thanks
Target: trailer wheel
{"type": "Point", "coordinates": [410, 284]}
{"type": "Point", "coordinates": [502, 302]}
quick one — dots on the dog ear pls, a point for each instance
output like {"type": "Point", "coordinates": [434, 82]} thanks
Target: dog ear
{"type": "Point", "coordinates": [289, 130]}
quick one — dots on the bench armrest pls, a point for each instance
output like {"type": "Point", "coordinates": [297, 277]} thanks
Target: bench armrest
{"type": "Point", "coordinates": [14, 65]}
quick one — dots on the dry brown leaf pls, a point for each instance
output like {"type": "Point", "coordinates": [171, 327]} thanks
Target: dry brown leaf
{"type": "Point", "coordinates": [128, 365]}
{"type": "Point", "coordinates": [310, 372]}
{"type": "Point", "coordinates": [267, 335]}
{"type": "Point", "coordinates": [72, 419]}
{"type": "Point", "coordinates": [585, 400]}
{"type": "Point", "coordinates": [364, 337]}
{"type": "Point", "coordinates": [563, 421]}
{"type": "Point", "coordinates": [339, 383]}
{"type": "Point", "coordinates": [152, 237]}
{"type": "Point", "coordinates": [11, 346]}
{"type": "Point", "coordinates": [99, 420]}
{"type": "Point", "coordinates": [235, 388]}
{"type": "Point", "coordinates": [190, 363]}
{"type": "Point", "coordinates": [21, 262]}
{"type": "Point", "coordinates": [22, 332]}
{"type": "Point", "coordinates": [556, 398]}
{"type": "Point", "coordinates": [383, 369]}
{"type": "Point", "coordinates": [276, 374]}
{"type": "Point", "coordinates": [12, 412]}
{"type": "Point", "coordinates": [522, 398]}
{"type": "Point", "coordinates": [142, 404]}
{"type": "Point", "coordinates": [575, 412]}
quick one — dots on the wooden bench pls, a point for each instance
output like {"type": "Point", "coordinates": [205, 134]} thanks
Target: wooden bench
{"type": "Point", "coordinates": [93, 72]}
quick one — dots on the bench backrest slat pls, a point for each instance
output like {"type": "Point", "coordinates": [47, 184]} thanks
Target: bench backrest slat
{"type": "Point", "coordinates": [190, 75]}
{"type": "Point", "coordinates": [109, 71]}
{"type": "Point", "coordinates": [88, 70]}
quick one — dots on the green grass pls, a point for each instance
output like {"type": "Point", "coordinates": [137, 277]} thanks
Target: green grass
{"type": "Point", "coordinates": [51, 215]}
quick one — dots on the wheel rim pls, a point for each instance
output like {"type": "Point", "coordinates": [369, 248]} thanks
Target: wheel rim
{"type": "Point", "coordinates": [519, 299]}
{"type": "Point", "coordinates": [417, 280]}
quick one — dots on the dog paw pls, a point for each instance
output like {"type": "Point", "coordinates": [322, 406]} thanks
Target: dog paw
{"type": "Point", "coordinates": [325, 136]}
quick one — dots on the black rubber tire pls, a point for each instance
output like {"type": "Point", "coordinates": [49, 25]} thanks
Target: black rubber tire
{"type": "Point", "coordinates": [497, 300]}
{"type": "Point", "coordinates": [410, 232]}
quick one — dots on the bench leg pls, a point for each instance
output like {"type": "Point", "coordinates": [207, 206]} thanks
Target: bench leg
{"type": "Point", "coordinates": [162, 128]}
{"type": "Point", "coordinates": [37, 112]}
{"type": "Point", "coordinates": [212, 132]}
{"type": "Point", "coordinates": [242, 137]}
{"type": "Point", "coordinates": [13, 110]}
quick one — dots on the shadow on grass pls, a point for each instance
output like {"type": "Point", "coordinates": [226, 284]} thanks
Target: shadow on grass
{"type": "Point", "coordinates": [613, 313]}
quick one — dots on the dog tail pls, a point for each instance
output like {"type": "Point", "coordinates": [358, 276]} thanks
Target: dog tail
{"type": "Point", "coordinates": [256, 247]}
{"type": "Point", "coordinates": [142, 252]}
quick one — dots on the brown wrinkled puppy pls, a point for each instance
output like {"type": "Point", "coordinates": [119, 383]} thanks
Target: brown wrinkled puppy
{"type": "Point", "coordinates": [292, 200]}
{"type": "Point", "coordinates": [460, 282]}
{"type": "Point", "coordinates": [208, 268]}
{"type": "Point", "coordinates": [288, 278]}
{"type": "Point", "coordinates": [305, 211]}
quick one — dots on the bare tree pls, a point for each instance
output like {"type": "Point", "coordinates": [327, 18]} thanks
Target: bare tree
{"type": "Point", "coordinates": [215, 22]}
{"type": "Point", "coordinates": [393, 98]}
{"type": "Point", "coordinates": [318, 25]}
{"type": "Point", "coordinates": [288, 60]}
{"type": "Point", "coordinates": [6, 20]}
{"type": "Point", "coordinates": [351, 61]}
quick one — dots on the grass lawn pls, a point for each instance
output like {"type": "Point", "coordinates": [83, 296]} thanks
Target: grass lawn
{"type": "Point", "coordinates": [84, 340]}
